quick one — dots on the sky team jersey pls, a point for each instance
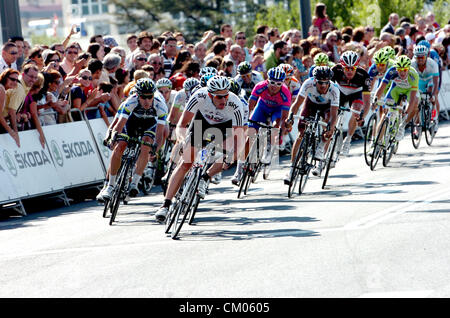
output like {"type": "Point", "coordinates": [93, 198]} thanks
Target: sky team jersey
{"type": "Point", "coordinates": [426, 77]}
{"type": "Point", "coordinates": [309, 90]}
{"type": "Point", "coordinates": [261, 94]}
{"type": "Point", "coordinates": [360, 82]}
{"type": "Point", "coordinates": [131, 108]}
{"type": "Point", "coordinates": [256, 78]}
{"type": "Point", "coordinates": [201, 102]}
{"type": "Point", "coordinates": [411, 82]}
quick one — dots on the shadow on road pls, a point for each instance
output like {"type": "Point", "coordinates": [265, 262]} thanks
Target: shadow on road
{"type": "Point", "coordinates": [246, 235]}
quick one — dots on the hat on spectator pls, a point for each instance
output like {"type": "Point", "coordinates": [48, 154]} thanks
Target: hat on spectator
{"type": "Point", "coordinates": [111, 61]}
{"type": "Point", "coordinates": [46, 53]}
{"type": "Point", "coordinates": [430, 36]}
{"type": "Point", "coordinates": [405, 25]}
{"type": "Point", "coordinates": [110, 41]}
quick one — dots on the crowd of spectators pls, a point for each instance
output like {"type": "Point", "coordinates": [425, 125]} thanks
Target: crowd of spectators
{"type": "Point", "coordinates": [40, 85]}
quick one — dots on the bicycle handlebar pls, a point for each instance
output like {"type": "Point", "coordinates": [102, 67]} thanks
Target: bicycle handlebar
{"type": "Point", "coordinates": [261, 124]}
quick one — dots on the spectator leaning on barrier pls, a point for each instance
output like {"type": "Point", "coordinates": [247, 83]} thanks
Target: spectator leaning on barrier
{"type": "Point", "coordinates": [15, 97]}
{"type": "Point", "coordinates": [9, 79]}
{"type": "Point", "coordinates": [29, 110]}
{"type": "Point", "coordinates": [10, 53]}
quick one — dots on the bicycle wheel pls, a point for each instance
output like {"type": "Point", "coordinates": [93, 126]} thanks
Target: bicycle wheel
{"type": "Point", "coordinates": [252, 171]}
{"type": "Point", "coordinates": [331, 155]}
{"type": "Point", "coordinates": [171, 215]}
{"type": "Point", "coordinates": [245, 178]}
{"type": "Point", "coordinates": [119, 191]}
{"type": "Point", "coordinates": [416, 129]}
{"type": "Point", "coordinates": [369, 137]}
{"type": "Point", "coordinates": [307, 164]}
{"type": "Point", "coordinates": [106, 208]}
{"type": "Point", "coordinates": [193, 209]}
{"type": "Point", "coordinates": [378, 145]}
{"type": "Point", "coordinates": [391, 143]}
{"type": "Point", "coordinates": [429, 126]}
{"type": "Point", "coordinates": [295, 169]}
{"type": "Point", "coordinates": [186, 199]}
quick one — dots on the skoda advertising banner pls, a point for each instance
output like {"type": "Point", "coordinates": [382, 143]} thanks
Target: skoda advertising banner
{"type": "Point", "coordinates": [99, 128]}
{"type": "Point", "coordinates": [8, 170]}
{"type": "Point", "coordinates": [30, 168]}
{"type": "Point", "coordinates": [74, 153]}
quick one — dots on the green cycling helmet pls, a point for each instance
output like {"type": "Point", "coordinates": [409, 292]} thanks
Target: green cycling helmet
{"type": "Point", "coordinates": [381, 57]}
{"type": "Point", "coordinates": [403, 61]}
{"type": "Point", "coordinates": [390, 52]}
{"type": "Point", "coordinates": [145, 86]}
{"type": "Point", "coordinates": [321, 59]}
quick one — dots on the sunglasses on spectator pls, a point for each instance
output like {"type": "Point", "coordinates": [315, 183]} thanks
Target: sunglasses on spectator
{"type": "Point", "coordinates": [72, 52]}
{"type": "Point", "coordinates": [87, 78]}
{"type": "Point", "coordinates": [57, 60]}
{"type": "Point", "coordinates": [275, 83]}
{"type": "Point", "coordinates": [14, 53]}
{"type": "Point", "coordinates": [141, 59]}
{"type": "Point", "coordinates": [13, 79]}
{"type": "Point", "coordinates": [349, 68]}
{"type": "Point", "coordinates": [323, 82]}
{"type": "Point", "coordinates": [241, 38]}
{"type": "Point", "coordinates": [221, 96]}
{"type": "Point", "coordinates": [402, 69]}
{"type": "Point", "coordinates": [147, 96]}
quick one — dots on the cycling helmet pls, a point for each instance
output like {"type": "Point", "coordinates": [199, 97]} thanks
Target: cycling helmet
{"type": "Point", "coordinates": [403, 61]}
{"type": "Point", "coordinates": [349, 59]}
{"type": "Point", "coordinates": [206, 70]}
{"type": "Point", "coordinates": [244, 68]}
{"type": "Point", "coordinates": [145, 86]}
{"type": "Point", "coordinates": [321, 59]}
{"type": "Point", "coordinates": [322, 73]}
{"type": "Point", "coordinates": [420, 50]}
{"type": "Point", "coordinates": [276, 74]}
{"type": "Point", "coordinates": [205, 78]}
{"type": "Point", "coordinates": [190, 83]}
{"type": "Point", "coordinates": [218, 83]}
{"type": "Point", "coordinates": [381, 56]}
{"type": "Point", "coordinates": [288, 69]}
{"type": "Point", "coordinates": [164, 82]}
{"type": "Point", "coordinates": [425, 43]}
{"type": "Point", "coordinates": [390, 52]}
{"type": "Point", "coordinates": [235, 87]}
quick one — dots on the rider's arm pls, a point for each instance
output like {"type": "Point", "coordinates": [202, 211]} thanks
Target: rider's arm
{"type": "Point", "coordinates": [185, 120]}
{"type": "Point", "coordinates": [294, 109]}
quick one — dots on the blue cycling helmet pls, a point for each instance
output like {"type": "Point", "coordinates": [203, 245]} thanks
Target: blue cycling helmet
{"type": "Point", "coordinates": [205, 78]}
{"type": "Point", "coordinates": [276, 74]}
{"type": "Point", "coordinates": [425, 43]}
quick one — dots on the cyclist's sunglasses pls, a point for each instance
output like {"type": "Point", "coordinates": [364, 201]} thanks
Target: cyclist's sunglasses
{"type": "Point", "coordinates": [402, 69]}
{"type": "Point", "coordinates": [349, 68]}
{"type": "Point", "coordinates": [147, 96]}
{"type": "Point", "coordinates": [275, 83]}
{"type": "Point", "coordinates": [381, 64]}
{"type": "Point", "coordinates": [221, 96]}
{"type": "Point", "coordinates": [323, 82]}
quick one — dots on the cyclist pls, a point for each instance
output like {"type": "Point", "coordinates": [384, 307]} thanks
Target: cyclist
{"type": "Point", "coordinates": [354, 84]}
{"type": "Point", "coordinates": [142, 114]}
{"type": "Point", "coordinates": [164, 86]}
{"type": "Point", "coordinates": [270, 101]}
{"type": "Point", "coordinates": [213, 108]}
{"type": "Point", "coordinates": [403, 80]}
{"type": "Point", "coordinates": [428, 71]}
{"type": "Point", "coordinates": [320, 59]}
{"type": "Point", "coordinates": [247, 78]}
{"type": "Point", "coordinates": [317, 94]}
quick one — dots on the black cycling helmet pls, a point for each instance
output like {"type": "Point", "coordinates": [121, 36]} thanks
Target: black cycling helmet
{"type": "Point", "coordinates": [244, 68]}
{"type": "Point", "coordinates": [145, 86]}
{"type": "Point", "coordinates": [322, 73]}
{"type": "Point", "coordinates": [235, 88]}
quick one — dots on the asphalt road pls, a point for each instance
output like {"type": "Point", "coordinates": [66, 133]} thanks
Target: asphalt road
{"type": "Point", "coordinates": [383, 233]}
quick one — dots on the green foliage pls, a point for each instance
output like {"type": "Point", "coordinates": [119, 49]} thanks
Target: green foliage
{"type": "Point", "coordinates": [441, 9]}
{"type": "Point", "coordinates": [45, 40]}
{"type": "Point", "coordinates": [280, 16]}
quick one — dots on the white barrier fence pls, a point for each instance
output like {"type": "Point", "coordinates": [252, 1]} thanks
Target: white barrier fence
{"type": "Point", "coordinates": [71, 158]}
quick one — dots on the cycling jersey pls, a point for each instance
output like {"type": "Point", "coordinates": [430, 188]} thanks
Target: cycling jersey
{"type": "Point", "coordinates": [294, 87]}
{"type": "Point", "coordinates": [180, 100]}
{"type": "Point", "coordinates": [202, 103]}
{"type": "Point", "coordinates": [256, 78]}
{"type": "Point", "coordinates": [309, 90]}
{"type": "Point", "coordinates": [426, 77]}
{"type": "Point", "coordinates": [361, 82]}
{"type": "Point", "coordinates": [374, 74]}
{"type": "Point", "coordinates": [400, 86]}
{"type": "Point", "coordinates": [269, 106]}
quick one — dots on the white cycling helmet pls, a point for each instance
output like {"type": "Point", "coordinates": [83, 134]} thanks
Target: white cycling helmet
{"type": "Point", "coordinates": [164, 82]}
{"type": "Point", "coordinates": [349, 59]}
{"type": "Point", "coordinates": [207, 70]}
{"type": "Point", "coordinates": [190, 83]}
{"type": "Point", "coordinates": [218, 83]}
{"type": "Point", "coordinates": [420, 50]}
